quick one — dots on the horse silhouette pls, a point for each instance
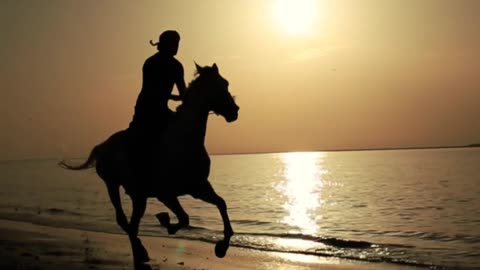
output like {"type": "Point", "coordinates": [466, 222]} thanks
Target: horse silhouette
{"type": "Point", "coordinates": [181, 163]}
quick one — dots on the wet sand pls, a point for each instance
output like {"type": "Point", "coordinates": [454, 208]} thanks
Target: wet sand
{"type": "Point", "coordinates": [29, 246]}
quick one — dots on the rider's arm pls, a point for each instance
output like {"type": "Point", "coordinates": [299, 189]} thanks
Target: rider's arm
{"type": "Point", "coordinates": [180, 83]}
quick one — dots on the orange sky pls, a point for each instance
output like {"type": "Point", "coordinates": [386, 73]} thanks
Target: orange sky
{"type": "Point", "coordinates": [352, 74]}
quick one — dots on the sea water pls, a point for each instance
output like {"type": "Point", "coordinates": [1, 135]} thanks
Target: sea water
{"type": "Point", "coordinates": [411, 207]}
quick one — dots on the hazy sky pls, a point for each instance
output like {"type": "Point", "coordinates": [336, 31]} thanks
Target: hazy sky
{"type": "Point", "coordinates": [333, 74]}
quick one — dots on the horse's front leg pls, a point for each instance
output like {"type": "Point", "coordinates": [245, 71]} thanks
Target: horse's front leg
{"type": "Point", "coordinates": [140, 254]}
{"type": "Point", "coordinates": [209, 195]}
{"type": "Point", "coordinates": [174, 205]}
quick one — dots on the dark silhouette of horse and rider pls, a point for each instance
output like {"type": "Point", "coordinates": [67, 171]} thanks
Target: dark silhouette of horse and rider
{"type": "Point", "coordinates": [162, 153]}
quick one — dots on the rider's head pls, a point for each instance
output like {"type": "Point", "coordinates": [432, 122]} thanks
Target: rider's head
{"type": "Point", "coordinates": [168, 42]}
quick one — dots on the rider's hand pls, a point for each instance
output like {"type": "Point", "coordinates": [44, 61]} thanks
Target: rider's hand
{"type": "Point", "coordinates": [176, 97]}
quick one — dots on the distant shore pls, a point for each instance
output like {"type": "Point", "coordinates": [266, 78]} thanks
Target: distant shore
{"type": "Point", "coordinates": [29, 246]}
{"type": "Point", "coordinates": [473, 145]}
{"type": "Point", "coordinates": [356, 149]}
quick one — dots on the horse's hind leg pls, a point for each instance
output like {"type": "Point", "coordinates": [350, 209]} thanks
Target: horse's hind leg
{"type": "Point", "coordinates": [207, 194]}
{"type": "Point", "coordinates": [173, 204]}
{"type": "Point", "coordinates": [139, 204]}
{"type": "Point", "coordinates": [113, 192]}
{"type": "Point", "coordinates": [140, 254]}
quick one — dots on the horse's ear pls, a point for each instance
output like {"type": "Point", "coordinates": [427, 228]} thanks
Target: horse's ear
{"type": "Point", "coordinates": [198, 67]}
{"type": "Point", "coordinates": [215, 68]}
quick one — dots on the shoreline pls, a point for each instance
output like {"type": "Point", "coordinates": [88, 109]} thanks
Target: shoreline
{"type": "Point", "coordinates": [25, 245]}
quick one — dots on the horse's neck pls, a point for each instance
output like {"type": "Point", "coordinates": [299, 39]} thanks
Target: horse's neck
{"type": "Point", "coordinates": [191, 126]}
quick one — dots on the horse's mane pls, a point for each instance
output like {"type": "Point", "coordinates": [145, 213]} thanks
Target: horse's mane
{"type": "Point", "coordinates": [192, 85]}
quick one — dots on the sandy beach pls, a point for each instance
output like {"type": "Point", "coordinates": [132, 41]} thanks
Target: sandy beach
{"type": "Point", "coordinates": [29, 246]}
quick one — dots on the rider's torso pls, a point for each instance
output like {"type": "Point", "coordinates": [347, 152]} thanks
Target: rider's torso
{"type": "Point", "coordinates": [160, 72]}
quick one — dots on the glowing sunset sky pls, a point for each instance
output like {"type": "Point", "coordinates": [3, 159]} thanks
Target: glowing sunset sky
{"type": "Point", "coordinates": [320, 75]}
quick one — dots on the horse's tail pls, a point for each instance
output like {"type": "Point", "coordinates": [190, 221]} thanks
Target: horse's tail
{"type": "Point", "coordinates": [89, 163]}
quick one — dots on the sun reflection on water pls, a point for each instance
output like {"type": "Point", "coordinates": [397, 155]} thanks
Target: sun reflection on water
{"type": "Point", "coordinates": [301, 188]}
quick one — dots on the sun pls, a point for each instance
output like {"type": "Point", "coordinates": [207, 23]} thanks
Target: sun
{"type": "Point", "coordinates": [295, 16]}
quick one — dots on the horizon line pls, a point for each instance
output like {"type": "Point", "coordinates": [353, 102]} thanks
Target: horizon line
{"type": "Point", "coordinates": [291, 151]}
{"type": "Point", "coordinates": [357, 149]}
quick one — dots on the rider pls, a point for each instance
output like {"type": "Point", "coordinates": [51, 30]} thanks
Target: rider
{"type": "Point", "coordinates": [161, 72]}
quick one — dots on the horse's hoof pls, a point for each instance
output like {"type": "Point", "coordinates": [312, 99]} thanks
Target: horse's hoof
{"type": "Point", "coordinates": [221, 248]}
{"type": "Point", "coordinates": [164, 219]}
{"type": "Point", "coordinates": [142, 266]}
{"type": "Point", "coordinates": [172, 230]}
{"type": "Point", "coordinates": [143, 255]}
{"type": "Point", "coordinates": [140, 253]}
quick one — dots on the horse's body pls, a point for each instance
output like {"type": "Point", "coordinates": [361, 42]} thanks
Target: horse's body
{"type": "Point", "coordinates": [181, 163]}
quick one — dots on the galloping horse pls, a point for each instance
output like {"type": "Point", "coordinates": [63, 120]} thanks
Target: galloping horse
{"type": "Point", "coordinates": [181, 160]}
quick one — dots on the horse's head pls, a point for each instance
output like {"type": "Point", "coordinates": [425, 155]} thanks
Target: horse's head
{"type": "Point", "coordinates": [215, 91]}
